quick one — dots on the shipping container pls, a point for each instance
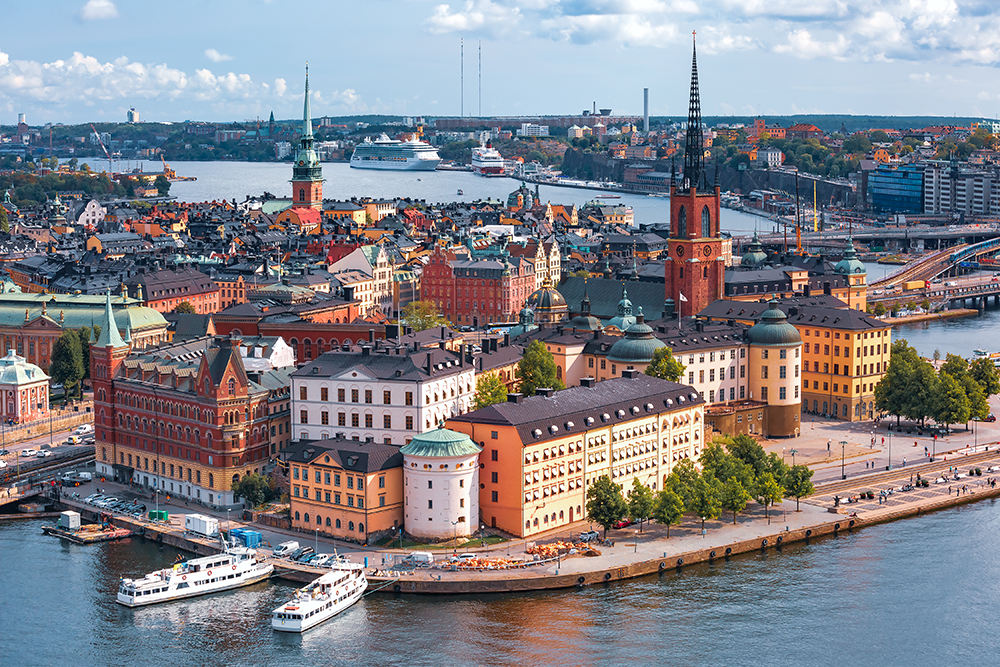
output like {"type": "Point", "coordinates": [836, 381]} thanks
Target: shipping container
{"type": "Point", "coordinates": [201, 524]}
{"type": "Point", "coordinates": [914, 284]}
{"type": "Point", "coordinates": [69, 520]}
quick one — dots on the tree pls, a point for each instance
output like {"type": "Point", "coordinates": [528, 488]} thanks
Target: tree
{"type": "Point", "coordinates": [950, 404]}
{"type": "Point", "coordinates": [4, 222]}
{"type": "Point", "coordinates": [83, 333]}
{"type": "Point", "coordinates": [979, 407]}
{"type": "Point", "coordinates": [798, 484]}
{"type": "Point", "coordinates": [537, 369]}
{"type": "Point", "coordinates": [422, 315]}
{"type": "Point", "coordinates": [665, 366]}
{"type": "Point", "coordinates": [605, 504]}
{"type": "Point", "coordinates": [892, 393]}
{"type": "Point", "coordinates": [67, 361]}
{"type": "Point", "coordinates": [984, 372]}
{"type": "Point", "coordinates": [184, 307]}
{"type": "Point", "coordinates": [706, 499]}
{"type": "Point", "coordinates": [490, 389]}
{"type": "Point", "coordinates": [937, 355]}
{"type": "Point", "coordinates": [734, 496]}
{"type": "Point", "coordinates": [683, 480]}
{"type": "Point", "coordinates": [253, 488]}
{"type": "Point", "coordinates": [668, 509]}
{"type": "Point", "coordinates": [748, 450]}
{"type": "Point", "coordinates": [162, 185]}
{"type": "Point", "coordinates": [640, 502]}
{"type": "Point", "coordinates": [921, 391]}
{"type": "Point", "coordinates": [769, 492]}
{"type": "Point", "coordinates": [955, 366]}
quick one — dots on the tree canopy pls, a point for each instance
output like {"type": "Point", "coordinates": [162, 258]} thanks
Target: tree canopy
{"type": "Point", "coordinates": [797, 483]}
{"type": "Point", "coordinates": [640, 502]}
{"type": "Point", "coordinates": [254, 488]}
{"type": "Point", "coordinates": [184, 307]}
{"type": "Point", "coordinates": [421, 315]}
{"type": "Point", "coordinates": [537, 370]}
{"type": "Point", "coordinates": [67, 361]}
{"type": "Point", "coordinates": [668, 509]}
{"type": "Point", "coordinates": [605, 504]}
{"type": "Point", "coordinates": [490, 389]}
{"type": "Point", "coordinates": [665, 366]}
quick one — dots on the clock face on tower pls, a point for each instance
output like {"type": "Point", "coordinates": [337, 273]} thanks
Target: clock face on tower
{"type": "Point", "coordinates": [707, 251]}
{"type": "Point", "coordinates": [680, 250]}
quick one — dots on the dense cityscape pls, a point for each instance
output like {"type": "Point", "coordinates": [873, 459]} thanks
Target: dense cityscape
{"type": "Point", "coordinates": [347, 406]}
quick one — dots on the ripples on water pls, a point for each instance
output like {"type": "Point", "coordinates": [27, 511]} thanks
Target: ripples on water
{"type": "Point", "coordinates": [917, 592]}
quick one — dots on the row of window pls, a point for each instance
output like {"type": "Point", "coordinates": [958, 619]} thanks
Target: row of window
{"type": "Point", "coordinates": [324, 419]}
{"type": "Point", "coordinates": [326, 496]}
{"type": "Point", "coordinates": [319, 522]}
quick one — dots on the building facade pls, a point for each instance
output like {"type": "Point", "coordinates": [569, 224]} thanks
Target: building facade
{"type": "Point", "coordinates": [541, 453]}
{"type": "Point", "coordinates": [24, 388]}
{"type": "Point", "coordinates": [477, 291]}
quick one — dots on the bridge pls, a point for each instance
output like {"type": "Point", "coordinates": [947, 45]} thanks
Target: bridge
{"type": "Point", "coordinates": [938, 237]}
{"type": "Point", "coordinates": [949, 261]}
{"type": "Point", "coordinates": [975, 289]}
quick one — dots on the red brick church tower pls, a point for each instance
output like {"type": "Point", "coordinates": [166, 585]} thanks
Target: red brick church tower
{"type": "Point", "coordinates": [695, 268]}
{"type": "Point", "coordinates": [307, 173]}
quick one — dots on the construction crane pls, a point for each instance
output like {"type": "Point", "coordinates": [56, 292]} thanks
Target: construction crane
{"type": "Point", "coordinates": [168, 173]}
{"type": "Point", "coordinates": [104, 148]}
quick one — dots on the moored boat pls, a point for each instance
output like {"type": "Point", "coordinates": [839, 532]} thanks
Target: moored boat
{"type": "Point", "coordinates": [322, 599]}
{"type": "Point", "coordinates": [232, 568]}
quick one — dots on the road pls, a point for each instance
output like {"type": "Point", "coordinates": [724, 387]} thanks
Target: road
{"type": "Point", "coordinates": [13, 456]}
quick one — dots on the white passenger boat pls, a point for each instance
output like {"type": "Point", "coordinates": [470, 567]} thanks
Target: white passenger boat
{"type": "Point", "coordinates": [323, 599]}
{"type": "Point", "coordinates": [386, 153]}
{"type": "Point", "coordinates": [234, 567]}
{"type": "Point", "coordinates": [487, 161]}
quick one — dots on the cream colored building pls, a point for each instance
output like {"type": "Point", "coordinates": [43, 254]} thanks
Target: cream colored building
{"type": "Point", "coordinates": [441, 485]}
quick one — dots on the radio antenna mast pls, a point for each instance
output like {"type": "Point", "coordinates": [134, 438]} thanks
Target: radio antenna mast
{"type": "Point", "coordinates": [480, 78]}
{"type": "Point", "coordinates": [463, 78]}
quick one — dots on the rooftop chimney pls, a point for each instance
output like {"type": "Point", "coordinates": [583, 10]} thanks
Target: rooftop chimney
{"type": "Point", "coordinates": [630, 373]}
{"type": "Point", "coordinates": [515, 398]}
{"type": "Point", "coordinates": [371, 335]}
{"type": "Point", "coordinates": [545, 391]}
{"type": "Point", "coordinates": [587, 382]}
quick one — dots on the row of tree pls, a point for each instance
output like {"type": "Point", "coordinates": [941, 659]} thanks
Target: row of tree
{"type": "Point", "coordinates": [733, 472]}
{"type": "Point", "coordinates": [955, 394]}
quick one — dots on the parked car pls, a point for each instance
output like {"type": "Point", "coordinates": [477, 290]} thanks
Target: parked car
{"type": "Point", "coordinates": [991, 417]}
{"type": "Point", "coordinates": [29, 452]}
{"type": "Point", "coordinates": [299, 553]}
{"type": "Point", "coordinates": [284, 549]}
{"type": "Point", "coordinates": [74, 440]}
{"type": "Point", "coordinates": [42, 453]}
{"type": "Point", "coordinates": [590, 536]}
{"type": "Point", "coordinates": [3, 464]}
{"type": "Point", "coordinates": [624, 523]}
{"type": "Point", "coordinates": [83, 429]}
{"type": "Point", "coordinates": [4, 452]}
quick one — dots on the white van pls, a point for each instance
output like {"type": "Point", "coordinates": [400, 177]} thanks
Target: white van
{"type": "Point", "coordinates": [284, 549]}
{"type": "Point", "coordinates": [420, 559]}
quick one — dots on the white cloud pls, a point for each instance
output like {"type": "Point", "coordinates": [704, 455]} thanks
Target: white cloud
{"type": "Point", "coordinates": [802, 44]}
{"type": "Point", "coordinates": [216, 57]}
{"type": "Point", "coordinates": [96, 10]}
{"type": "Point", "coordinates": [479, 16]}
{"type": "Point", "coordinates": [280, 86]}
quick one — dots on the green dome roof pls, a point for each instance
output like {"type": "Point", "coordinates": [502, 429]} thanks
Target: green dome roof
{"type": "Point", "coordinates": [546, 298]}
{"type": "Point", "coordinates": [755, 255]}
{"type": "Point", "coordinates": [585, 323]}
{"type": "Point", "coordinates": [773, 329]}
{"type": "Point", "coordinates": [441, 443]}
{"type": "Point", "coordinates": [850, 264]}
{"type": "Point", "coordinates": [637, 345]}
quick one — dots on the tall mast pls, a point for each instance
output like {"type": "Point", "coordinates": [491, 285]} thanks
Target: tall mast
{"type": "Point", "coordinates": [694, 153]}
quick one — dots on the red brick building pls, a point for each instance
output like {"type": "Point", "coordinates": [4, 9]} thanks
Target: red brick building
{"type": "Point", "coordinates": [184, 418]}
{"type": "Point", "coordinates": [477, 291]}
{"type": "Point", "coordinates": [164, 290]}
{"type": "Point", "coordinates": [803, 131]}
{"type": "Point", "coordinates": [694, 271]}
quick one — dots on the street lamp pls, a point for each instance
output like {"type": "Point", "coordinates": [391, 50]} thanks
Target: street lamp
{"type": "Point", "coordinates": [843, 455]}
{"type": "Point", "coordinates": [794, 452]}
{"type": "Point", "coordinates": [889, 466]}
{"type": "Point", "coordinates": [454, 538]}
{"type": "Point", "coordinates": [637, 541]}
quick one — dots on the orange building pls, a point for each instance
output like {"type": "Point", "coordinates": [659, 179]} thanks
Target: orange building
{"type": "Point", "coordinates": [346, 489]}
{"type": "Point", "coordinates": [541, 453]}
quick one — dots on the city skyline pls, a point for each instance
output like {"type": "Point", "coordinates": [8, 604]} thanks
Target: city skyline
{"type": "Point", "coordinates": [881, 57]}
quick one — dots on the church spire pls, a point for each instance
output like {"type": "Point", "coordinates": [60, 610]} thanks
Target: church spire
{"type": "Point", "coordinates": [307, 125]}
{"type": "Point", "coordinates": [694, 157]}
{"type": "Point", "coordinates": [109, 329]}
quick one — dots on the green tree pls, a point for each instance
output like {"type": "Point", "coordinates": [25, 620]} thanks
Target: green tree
{"type": "Point", "coordinates": [706, 499]}
{"type": "Point", "coordinates": [955, 366]}
{"type": "Point", "coordinates": [668, 509]}
{"type": "Point", "coordinates": [67, 361]}
{"type": "Point", "coordinates": [892, 393]}
{"type": "Point", "coordinates": [950, 404]}
{"type": "Point", "coordinates": [769, 492]}
{"type": "Point", "coordinates": [4, 221]}
{"type": "Point", "coordinates": [253, 488]}
{"type": "Point", "coordinates": [748, 450]}
{"type": "Point", "coordinates": [422, 315]}
{"type": "Point", "coordinates": [979, 407]}
{"type": "Point", "coordinates": [605, 504]}
{"type": "Point", "coordinates": [797, 483]}
{"type": "Point", "coordinates": [83, 333]}
{"type": "Point", "coordinates": [490, 389]}
{"type": "Point", "coordinates": [162, 185]}
{"type": "Point", "coordinates": [665, 366]}
{"type": "Point", "coordinates": [879, 137]}
{"type": "Point", "coordinates": [537, 369]}
{"type": "Point", "coordinates": [920, 398]}
{"type": "Point", "coordinates": [984, 372]}
{"type": "Point", "coordinates": [184, 307]}
{"type": "Point", "coordinates": [734, 497]}
{"type": "Point", "coordinates": [640, 502]}
{"type": "Point", "coordinates": [73, 162]}
{"type": "Point", "coordinates": [683, 480]}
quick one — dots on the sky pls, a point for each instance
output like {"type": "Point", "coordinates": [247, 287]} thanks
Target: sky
{"type": "Point", "coordinates": [73, 61]}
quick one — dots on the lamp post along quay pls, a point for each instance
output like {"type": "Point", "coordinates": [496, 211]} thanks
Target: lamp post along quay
{"type": "Point", "coordinates": [843, 458]}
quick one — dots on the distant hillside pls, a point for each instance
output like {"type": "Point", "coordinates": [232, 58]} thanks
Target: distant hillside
{"type": "Point", "coordinates": [832, 122]}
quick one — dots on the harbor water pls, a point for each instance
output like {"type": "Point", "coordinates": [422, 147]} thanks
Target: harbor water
{"type": "Point", "coordinates": [922, 591]}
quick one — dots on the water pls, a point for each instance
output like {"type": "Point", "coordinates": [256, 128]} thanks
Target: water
{"type": "Point", "coordinates": [921, 591]}
{"type": "Point", "coordinates": [236, 180]}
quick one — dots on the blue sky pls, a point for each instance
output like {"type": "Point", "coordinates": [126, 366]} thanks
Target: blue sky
{"type": "Point", "coordinates": [90, 60]}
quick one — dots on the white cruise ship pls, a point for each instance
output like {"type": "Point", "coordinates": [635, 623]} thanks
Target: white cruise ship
{"type": "Point", "coordinates": [487, 161]}
{"type": "Point", "coordinates": [386, 153]}
{"type": "Point", "coordinates": [323, 599]}
{"type": "Point", "coordinates": [234, 567]}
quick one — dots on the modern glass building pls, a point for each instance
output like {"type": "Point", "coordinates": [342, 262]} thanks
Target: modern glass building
{"type": "Point", "coordinates": [897, 189]}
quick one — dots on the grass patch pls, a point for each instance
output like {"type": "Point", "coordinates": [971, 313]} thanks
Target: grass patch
{"type": "Point", "coordinates": [393, 542]}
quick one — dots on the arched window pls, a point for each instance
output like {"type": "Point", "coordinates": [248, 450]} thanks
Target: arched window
{"type": "Point", "coordinates": [682, 223]}
{"type": "Point", "coordinates": [211, 482]}
{"type": "Point", "coordinates": [232, 387]}
{"type": "Point", "coordinates": [338, 523]}
{"type": "Point", "coordinates": [706, 222]}
{"type": "Point", "coordinates": [319, 520]}
{"type": "Point", "coordinates": [302, 197]}
{"type": "Point", "coordinates": [327, 522]}
{"type": "Point", "coordinates": [236, 480]}
{"type": "Point", "coordinates": [350, 525]}
{"type": "Point", "coordinates": [361, 527]}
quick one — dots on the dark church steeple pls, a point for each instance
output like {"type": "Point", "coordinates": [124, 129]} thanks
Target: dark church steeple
{"type": "Point", "coordinates": [694, 149]}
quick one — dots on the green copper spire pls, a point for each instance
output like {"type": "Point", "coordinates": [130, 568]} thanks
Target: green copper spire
{"type": "Point", "coordinates": [307, 166]}
{"type": "Point", "coordinates": [307, 125]}
{"type": "Point", "coordinates": [109, 329]}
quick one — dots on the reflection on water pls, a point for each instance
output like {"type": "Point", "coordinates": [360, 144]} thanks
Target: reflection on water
{"type": "Point", "coordinates": [919, 591]}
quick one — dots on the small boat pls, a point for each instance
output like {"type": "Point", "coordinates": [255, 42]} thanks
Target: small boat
{"type": "Point", "coordinates": [608, 197]}
{"type": "Point", "coordinates": [323, 599]}
{"type": "Point", "coordinates": [460, 192]}
{"type": "Point", "coordinates": [233, 568]}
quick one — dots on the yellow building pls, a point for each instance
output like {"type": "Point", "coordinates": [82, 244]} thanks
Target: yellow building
{"type": "Point", "coordinates": [347, 489]}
